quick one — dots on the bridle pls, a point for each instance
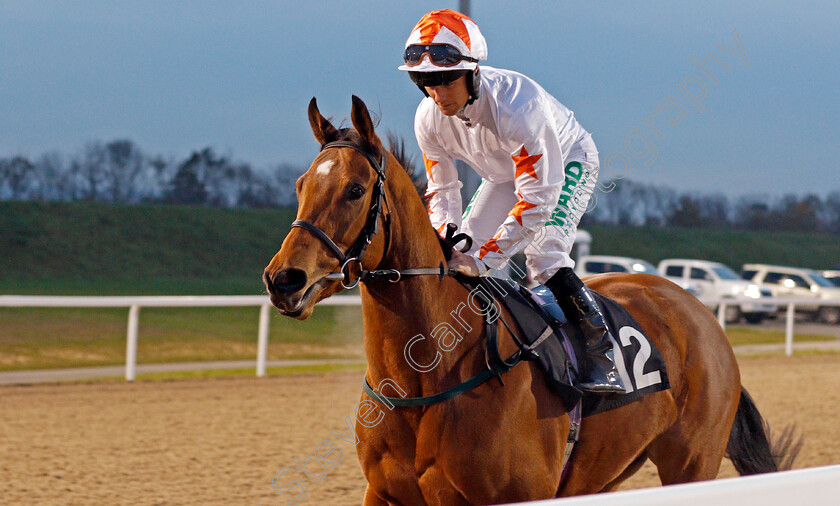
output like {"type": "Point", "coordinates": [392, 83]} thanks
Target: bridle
{"type": "Point", "coordinates": [371, 227]}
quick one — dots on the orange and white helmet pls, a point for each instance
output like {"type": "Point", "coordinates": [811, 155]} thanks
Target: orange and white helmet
{"type": "Point", "coordinates": [444, 40]}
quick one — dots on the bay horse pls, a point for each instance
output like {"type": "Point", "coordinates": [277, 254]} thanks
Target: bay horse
{"type": "Point", "coordinates": [359, 214]}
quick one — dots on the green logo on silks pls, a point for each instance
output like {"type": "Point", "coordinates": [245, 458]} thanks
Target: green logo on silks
{"type": "Point", "coordinates": [470, 205]}
{"type": "Point", "coordinates": [574, 175]}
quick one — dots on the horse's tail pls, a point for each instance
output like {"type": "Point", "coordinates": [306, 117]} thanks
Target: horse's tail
{"type": "Point", "coordinates": [750, 447]}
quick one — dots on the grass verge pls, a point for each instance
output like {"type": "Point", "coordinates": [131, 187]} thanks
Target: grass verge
{"type": "Point", "coordinates": [46, 338]}
{"type": "Point", "coordinates": [743, 336]}
{"type": "Point", "coordinates": [270, 371]}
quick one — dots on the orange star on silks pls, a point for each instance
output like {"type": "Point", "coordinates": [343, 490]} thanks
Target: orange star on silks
{"type": "Point", "coordinates": [429, 164]}
{"type": "Point", "coordinates": [490, 246]}
{"type": "Point", "coordinates": [519, 208]}
{"type": "Point", "coordinates": [525, 163]}
{"type": "Point", "coordinates": [429, 26]}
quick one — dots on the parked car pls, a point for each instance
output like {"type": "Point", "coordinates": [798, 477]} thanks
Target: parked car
{"type": "Point", "coordinates": [596, 264]}
{"type": "Point", "coordinates": [799, 282]}
{"type": "Point", "coordinates": [833, 276]}
{"type": "Point", "coordinates": [712, 280]}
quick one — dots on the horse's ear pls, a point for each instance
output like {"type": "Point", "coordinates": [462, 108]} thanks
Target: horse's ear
{"type": "Point", "coordinates": [321, 126]}
{"type": "Point", "coordinates": [361, 121]}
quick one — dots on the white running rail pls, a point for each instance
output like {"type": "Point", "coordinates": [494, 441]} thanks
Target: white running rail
{"type": "Point", "coordinates": [790, 313]}
{"type": "Point", "coordinates": [134, 303]}
{"type": "Point", "coordinates": [818, 486]}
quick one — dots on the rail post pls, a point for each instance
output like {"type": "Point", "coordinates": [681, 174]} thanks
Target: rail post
{"type": "Point", "coordinates": [131, 343]}
{"type": "Point", "coordinates": [721, 315]}
{"type": "Point", "coordinates": [789, 330]}
{"type": "Point", "coordinates": [262, 340]}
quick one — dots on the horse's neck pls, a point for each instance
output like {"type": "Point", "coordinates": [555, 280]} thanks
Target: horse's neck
{"type": "Point", "coordinates": [397, 313]}
{"type": "Point", "coordinates": [409, 326]}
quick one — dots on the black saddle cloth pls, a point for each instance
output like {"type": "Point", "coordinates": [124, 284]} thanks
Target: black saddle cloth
{"type": "Point", "coordinates": [557, 345]}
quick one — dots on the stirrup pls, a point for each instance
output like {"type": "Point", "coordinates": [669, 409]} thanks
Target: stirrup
{"type": "Point", "coordinates": [602, 388]}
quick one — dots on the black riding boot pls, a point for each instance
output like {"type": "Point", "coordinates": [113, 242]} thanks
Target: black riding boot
{"type": "Point", "coordinates": [579, 305]}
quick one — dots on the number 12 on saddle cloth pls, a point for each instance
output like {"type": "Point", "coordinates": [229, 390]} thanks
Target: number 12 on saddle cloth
{"type": "Point", "coordinates": [636, 357]}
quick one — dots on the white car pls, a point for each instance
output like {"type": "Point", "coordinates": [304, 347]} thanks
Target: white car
{"type": "Point", "coordinates": [833, 276]}
{"type": "Point", "coordinates": [598, 264]}
{"type": "Point", "coordinates": [808, 284]}
{"type": "Point", "coordinates": [713, 280]}
{"type": "Point", "coordinates": [589, 265]}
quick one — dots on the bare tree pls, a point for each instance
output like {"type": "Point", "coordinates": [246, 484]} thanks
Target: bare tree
{"type": "Point", "coordinates": [284, 178]}
{"type": "Point", "coordinates": [831, 212]}
{"type": "Point", "coordinates": [753, 212]}
{"type": "Point", "coordinates": [186, 186]}
{"type": "Point", "coordinates": [258, 192]}
{"type": "Point", "coordinates": [122, 165]}
{"type": "Point", "coordinates": [17, 176]}
{"type": "Point", "coordinates": [715, 209]}
{"type": "Point", "coordinates": [89, 171]}
{"type": "Point", "coordinates": [160, 172]}
{"type": "Point", "coordinates": [799, 215]}
{"type": "Point", "coordinates": [52, 178]}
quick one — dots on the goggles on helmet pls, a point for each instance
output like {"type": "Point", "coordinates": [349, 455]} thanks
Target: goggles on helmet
{"type": "Point", "coordinates": [423, 79]}
{"type": "Point", "coordinates": [442, 55]}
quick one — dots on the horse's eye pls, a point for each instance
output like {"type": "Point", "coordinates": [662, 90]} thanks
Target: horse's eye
{"type": "Point", "coordinates": [355, 191]}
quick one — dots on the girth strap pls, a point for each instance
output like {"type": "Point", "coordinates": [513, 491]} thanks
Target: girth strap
{"type": "Point", "coordinates": [428, 400]}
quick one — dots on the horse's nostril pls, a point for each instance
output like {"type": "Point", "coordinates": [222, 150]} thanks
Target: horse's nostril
{"type": "Point", "coordinates": [267, 281]}
{"type": "Point", "coordinates": [288, 280]}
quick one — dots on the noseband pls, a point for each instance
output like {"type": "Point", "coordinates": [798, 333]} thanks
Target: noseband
{"type": "Point", "coordinates": [371, 227]}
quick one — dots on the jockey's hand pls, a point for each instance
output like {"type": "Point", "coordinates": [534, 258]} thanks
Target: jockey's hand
{"type": "Point", "coordinates": [467, 265]}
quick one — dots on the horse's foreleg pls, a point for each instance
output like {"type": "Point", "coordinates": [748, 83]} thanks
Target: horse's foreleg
{"type": "Point", "coordinates": [438, 490]}
{"type": "Point", "coordinates": [371, 499]}
{"type": "Point", "coordinates": [630, 471]}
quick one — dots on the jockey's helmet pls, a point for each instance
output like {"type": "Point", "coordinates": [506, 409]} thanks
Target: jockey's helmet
{"type": "Point", "coordinates": [442, 47]}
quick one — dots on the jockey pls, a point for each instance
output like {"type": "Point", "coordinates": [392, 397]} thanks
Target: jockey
{"type": "Point", "coordinates": [537, 163]}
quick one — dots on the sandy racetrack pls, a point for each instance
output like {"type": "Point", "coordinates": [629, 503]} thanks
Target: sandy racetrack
{"type": "Point", "coordinates": [221, 441]}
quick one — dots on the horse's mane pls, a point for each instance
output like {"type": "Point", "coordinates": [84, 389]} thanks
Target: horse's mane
{"type": "Point", "coordinates": [396, 146]}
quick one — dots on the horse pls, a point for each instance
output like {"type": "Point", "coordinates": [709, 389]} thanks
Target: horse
{"type": "Point", "coordinates": [360, 216]}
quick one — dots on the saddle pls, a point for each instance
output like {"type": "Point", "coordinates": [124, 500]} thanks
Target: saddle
{"type": "Point", "coordinates": [546, 336]}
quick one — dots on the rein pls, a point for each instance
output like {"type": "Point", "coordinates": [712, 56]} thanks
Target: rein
{"type": "Point", "coordinates": [371, 227]}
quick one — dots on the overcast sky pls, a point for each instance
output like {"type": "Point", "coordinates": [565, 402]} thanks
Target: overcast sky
{"type": "Point", "coordinates": [180, 75]}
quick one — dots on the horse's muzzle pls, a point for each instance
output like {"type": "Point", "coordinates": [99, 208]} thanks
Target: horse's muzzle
{"type": "Point", "coordinates": [283, 287]}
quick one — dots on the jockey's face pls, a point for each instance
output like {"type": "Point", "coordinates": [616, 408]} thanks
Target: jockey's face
{"type": "Point", "coordinates": [450, 98]}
